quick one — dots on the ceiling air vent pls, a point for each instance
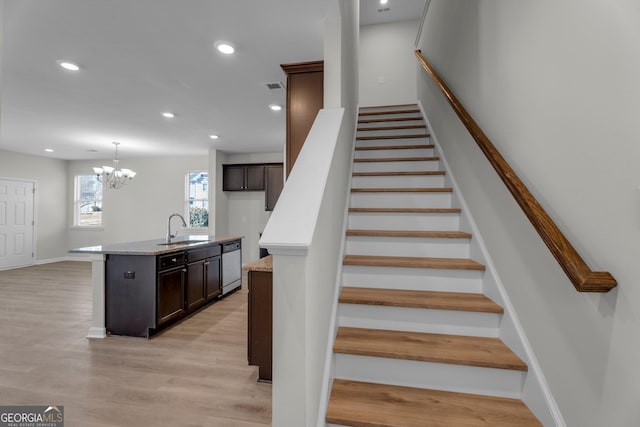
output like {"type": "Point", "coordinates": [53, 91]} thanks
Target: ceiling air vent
{"type": "Point", "coordinates": [386, 9]}
{"type": "Point", "coordinates": [275, 87]}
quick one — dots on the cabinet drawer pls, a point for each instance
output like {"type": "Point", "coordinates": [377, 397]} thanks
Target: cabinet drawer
{"type": "Point", "coordinates": [170, 260]}
{"type": "Point", "coordinates": [197, 254]}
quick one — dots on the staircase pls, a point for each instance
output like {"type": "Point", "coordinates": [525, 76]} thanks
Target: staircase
{"type": "Point", "coordinates": [417, 341]}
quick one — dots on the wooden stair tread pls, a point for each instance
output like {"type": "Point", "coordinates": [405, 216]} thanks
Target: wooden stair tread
{"type": "Point", "coordinates": [367, 129]}
{"type": "Point", "coordinates": [391, 119]}
{"type": "Point", "coordinates": [406, 210]}
{"type": "Point", "coordinates": [413, 262]}
{"type": "Point", "coordinates": [482, 352]}
{"type": "Point", "coordinates": [436, 234]}
{"type": "Point", "coordinates": [435, 300]}
{"type": "Point", "coordinates": [400, 173]}
{"type": "Point", "coordinates": [403, 190]}
{"type": "Point", "coordinates": [395, 147]}
{"type": "Point", "coordinates": [371, 138]}
{"type": "Point", "coordinates": [362, 404]}
{"type": "Point", "coordinates": [398, 159]}
{"type": "Point", "coordinates": [380, 113]}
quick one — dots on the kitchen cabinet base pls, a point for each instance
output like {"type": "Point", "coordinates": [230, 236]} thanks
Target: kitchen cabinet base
{"type": "Point", "coordinates": [260, 329]}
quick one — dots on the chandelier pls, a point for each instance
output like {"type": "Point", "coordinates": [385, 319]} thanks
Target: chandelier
{"type": "Point", "coordinates": [114, 176]}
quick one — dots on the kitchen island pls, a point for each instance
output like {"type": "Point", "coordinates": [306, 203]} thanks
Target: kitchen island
{"type": "Point", "coordinates": [139, 288]}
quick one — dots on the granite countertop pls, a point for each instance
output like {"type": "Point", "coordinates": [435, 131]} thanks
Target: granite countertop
{"type": "Point", "coordinates": [262, 264]}
{"type": "Point", "coordinates": [156, 246]}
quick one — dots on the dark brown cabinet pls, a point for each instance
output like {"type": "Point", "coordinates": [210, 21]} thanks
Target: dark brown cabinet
{"type": "Point", "coordinates": [171, 294]}
{"type": "Point", "coordinates": [305, 97]}
{"type": "Point", "coordinates": [144, 294]}
{"type": "Point", "coordinates": [203, 276]}
{"type": "Point", "coordinates": [266, 177]}
{"type": "Point", "coordinates": [274, 184]}
{"type": "Point", "coordinates": [260, 330]}
{"type": "Point", "coordinates": [213, 281]}
{"type": "Point", "coordinates": [243, 177]}
{"type": "Point", "coordinates": [195, 289]}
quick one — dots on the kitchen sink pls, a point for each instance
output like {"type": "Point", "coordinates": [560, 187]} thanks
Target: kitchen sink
{"type": "Point", "coordinates": [183, 241]}
{"type": "Point", "coordinates": [177, 242]}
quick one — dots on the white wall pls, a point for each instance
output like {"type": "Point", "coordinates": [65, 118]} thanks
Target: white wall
{"type": "Point", "coordinates": [305, 234]}
{"type": "Point", "coordinates": [139, 210]}
{"type": "Point", "coordinates": [219, 226]}
{"type": "Point", "coordinates": [555, 85]}
{"type": "Point", "coordinates": [51, 195]}
{"type": "Point", "coordinates": [387, 63]}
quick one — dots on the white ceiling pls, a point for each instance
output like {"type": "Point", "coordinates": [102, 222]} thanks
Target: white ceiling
{"type": "Point", "coordinates": [139, 58]}
{"type": "Point", "coordinates": [372, 12]}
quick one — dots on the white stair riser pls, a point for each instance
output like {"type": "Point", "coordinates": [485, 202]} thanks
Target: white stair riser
{"type": "Point", "coordinates": [369, 109]}
{"type": "Point", "coordinates": [393, 132]}
{"type": "Point", "coordinates": [388, 123]}
{"type": "Point", "coordinates": [407, 246]}
{"type": "Point", "coordinates": [401, 200]}
{"type": "Point", "coordinates": [391, 115]}
{"type": "Point", "coordinates": [398, 181]}
{"type": "Point", "coordinates": [420, 279]}
{"type": "Point", "coordinates": [403, 221]}
{"type": "Point", "coordinates": [451, 322]}
{"type": "Point", "coordinates": [394, 153]}
{"type": "Point", "coordinates": [422, 165]}
{"type": "Point", "coordinates": [394, 141]}
{"type": "Point", "coordinates": [438, 376]}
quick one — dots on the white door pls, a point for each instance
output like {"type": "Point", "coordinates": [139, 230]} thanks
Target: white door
{"type": "Point", "coordinates": [16, 223]}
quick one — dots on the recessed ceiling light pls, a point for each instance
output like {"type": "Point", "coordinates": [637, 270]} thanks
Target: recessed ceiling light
{"type": "Point", "coordinates": [275, 107]}
{"type": "Point", "coordinates": [214, 136]}
{"type": "Point", "coordinates": [225, 47]}
{"type": "Point", "coordinates": [49, 150]}
{"type": "Point", "coordinates": [68, 65]}
{"type": "Point", "coordinates": [168, 115]}
{"type": "Point", "coordinates": [383, 1]}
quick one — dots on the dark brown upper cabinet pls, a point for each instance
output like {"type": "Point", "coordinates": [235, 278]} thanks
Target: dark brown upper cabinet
{"type": "Point", "coordinates": [267, 177]}
{"type": "Point", "coordinates": [245, 177]}
{"type": "Point", "coordinates": [305, 97]}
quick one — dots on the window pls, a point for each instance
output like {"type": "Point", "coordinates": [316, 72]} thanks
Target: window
{"type": "Point", "coordinates": [197, 200]}
{"type": "Point", "coordinates": [88, 201]}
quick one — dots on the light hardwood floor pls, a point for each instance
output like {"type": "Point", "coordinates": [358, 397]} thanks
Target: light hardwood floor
{"type": "Point", "coordinates": [194, 374]}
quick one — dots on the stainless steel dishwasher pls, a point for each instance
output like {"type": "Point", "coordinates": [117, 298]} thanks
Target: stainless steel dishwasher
{"type": "Point", "coordinates": [231, 266]}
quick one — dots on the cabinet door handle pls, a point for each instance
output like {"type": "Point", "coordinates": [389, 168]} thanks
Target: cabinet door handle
{"type": "Point", "coordinates": [207, 263]}
{"type": "Point", "coordinates": [184, 270]}
{"type": "Point", "coordinates": [173, 259]}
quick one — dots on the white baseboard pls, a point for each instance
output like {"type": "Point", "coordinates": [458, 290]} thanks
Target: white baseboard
{"type": "Point", "coordinates": [98, 333]}
{"type": "Point", "coordinates": [540, 393]}
{"type": "Point", "coordinates": [67, 258]}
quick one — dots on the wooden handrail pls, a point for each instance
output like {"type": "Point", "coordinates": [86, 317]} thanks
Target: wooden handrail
{"type": "Point", "coordinates": [570, 260]}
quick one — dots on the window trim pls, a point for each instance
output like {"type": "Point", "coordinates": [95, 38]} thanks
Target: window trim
{"type": "Point", "coordinates": [76, 207]}
{"type": "Point", "coordinates": [187, 200]}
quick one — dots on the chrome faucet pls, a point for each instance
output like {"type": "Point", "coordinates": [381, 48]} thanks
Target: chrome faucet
{"type": "Point", "coordinates": [169, 235]}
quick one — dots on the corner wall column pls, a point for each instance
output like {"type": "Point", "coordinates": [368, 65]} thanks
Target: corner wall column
{"type": "Point", "coordinates": [98, 328]}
